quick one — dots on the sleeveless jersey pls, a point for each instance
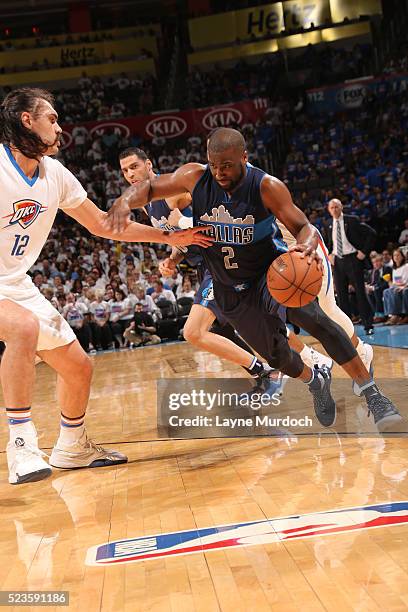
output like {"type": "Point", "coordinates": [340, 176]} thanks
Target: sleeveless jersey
{"type": "Point", "coordinates": [247, 238]}
{"type": "Point", "coordinates": [28, 208]}
{"type": "Point", "coordinates": [158, 212]}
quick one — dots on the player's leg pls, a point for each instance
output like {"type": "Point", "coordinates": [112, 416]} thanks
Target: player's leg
{"type": "Point", "coordinates": [198, 332]}
{"type": "Point", "coordinates": [207, 329]}
{"type": "Point", "coordinates": [309, 355]}
{"type": "Point", "coordinates": [337, 344]}
{"type": "Point", "coordinates": [19, 329]}
{"type": "Point", "coordinates": [73, 449]}
{"type": "Point", "coordinates": [327, 302]}
{"type": "Point", "coordinates": [268, 337]}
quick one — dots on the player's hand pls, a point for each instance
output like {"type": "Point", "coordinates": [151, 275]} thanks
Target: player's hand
{"type": "Point", "coordinates": [306, 250]}
{"type": "Point", "coordinates": [194, 235]}
{"type": "Point", "coordinates": [360, 255]}
{"type": "Point", "coordinates": [167, 267]}
{"type": "Point", "coordinates": [174, 217]}
{"type": "Point", "coordinates": [118, 217]}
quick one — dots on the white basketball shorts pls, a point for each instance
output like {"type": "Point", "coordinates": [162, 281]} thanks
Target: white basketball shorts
{"type": "Point", "coordinates": [54, 329]}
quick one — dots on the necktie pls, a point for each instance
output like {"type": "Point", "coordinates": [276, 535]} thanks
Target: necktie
{"type": "Point", "coordinates": [339, 240]}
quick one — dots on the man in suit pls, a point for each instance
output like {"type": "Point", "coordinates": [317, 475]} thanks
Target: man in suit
{"type": "Point", "coordinates": [350, 241]}
{"type": "Point", "coordinates": [376, 286]}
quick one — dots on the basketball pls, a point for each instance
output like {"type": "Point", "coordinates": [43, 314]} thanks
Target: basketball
{"type": "Point", "coordinates": [292, 281]}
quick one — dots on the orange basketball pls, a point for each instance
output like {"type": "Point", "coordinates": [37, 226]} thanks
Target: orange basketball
{"type": "Point", "coordinates": [292, 281]}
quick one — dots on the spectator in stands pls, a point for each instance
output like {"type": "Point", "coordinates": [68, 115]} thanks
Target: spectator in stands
{"type": "Point", "coordinates": [394, 295]}
{"type": "Point", "coordinates": [403, 239]}
{"type": "Point", "coordinates": [377, 285]}
{"type": "Point", "coordinates": [101, 331]}
{"type": "Point", "coordinates": [118, 307]}
{"type": "Point", "coordinates": [74, 312]}
{"type": "Point", "coordinates": [159, 293]}
{"type": "Point", "coordinates": [142, 330]}
{"type": "Point", "coordinates": [186, 289]}
{"type": "Point", "coordinates": [146, 301]}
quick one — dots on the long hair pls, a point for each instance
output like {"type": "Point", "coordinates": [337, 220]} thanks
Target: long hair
{"type": "Point", "coordinates": [12, 130]}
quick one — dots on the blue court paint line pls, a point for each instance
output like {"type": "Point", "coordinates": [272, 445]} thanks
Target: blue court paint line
{"type": "Point", "coordinates": [395, 336]}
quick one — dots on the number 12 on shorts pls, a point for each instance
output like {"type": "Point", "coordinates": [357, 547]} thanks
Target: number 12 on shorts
{"type": "Point", "coordinates": [229, 265]}
{"type": "Point", "coordinates": [20, 243]}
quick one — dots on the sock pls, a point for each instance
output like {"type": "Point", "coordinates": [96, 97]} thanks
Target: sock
{"type": "Point", "coordinates": [255, 368]}
{"type": "Point", "coordinates": [306, 353]}
{"type": "Point", "coordinates": [72, 429]}
{"type": "Point", "coordinates": [19, 421]}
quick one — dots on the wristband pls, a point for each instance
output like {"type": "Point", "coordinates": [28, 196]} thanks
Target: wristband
{"type": "Point", "coordinates": [185, 222]}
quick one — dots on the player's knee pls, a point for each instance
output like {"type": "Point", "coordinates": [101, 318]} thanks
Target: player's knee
{"type": "Point", "coordinates": [192, 334]}
{"type": "Point", "coordinates": [27, 330]}
{"type": "Point", "coordinates": [281, 355]}
{"type": "Point", "coordinates": [85, 368]}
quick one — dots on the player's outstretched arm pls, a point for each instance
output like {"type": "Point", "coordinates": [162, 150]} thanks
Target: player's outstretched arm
{"type": "Point", "coordinates": [183, 180]}
{"type": "Point", "coordinates": [94, 219]}
{"type": "Point", "coordinates": [276, 198]}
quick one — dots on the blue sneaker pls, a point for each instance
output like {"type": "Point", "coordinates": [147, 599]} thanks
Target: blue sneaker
{"type": "Point", "coordinates": [324, 404]}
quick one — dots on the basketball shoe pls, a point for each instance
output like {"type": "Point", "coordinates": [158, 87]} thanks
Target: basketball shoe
{"type": "Point", "coordinates": [383, 410]}
{"type": "Point", "coordinates": [25, 459]}
{"type": "Point", "coordinates": [324, 404]}
{"type": "Point", "coordinates": [84, 453]}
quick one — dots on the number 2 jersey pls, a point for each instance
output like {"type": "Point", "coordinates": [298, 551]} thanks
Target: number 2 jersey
{"type": "Point", "coordinates": [246, 236]}
{"type": "Point", "coordinates": [28, 208]}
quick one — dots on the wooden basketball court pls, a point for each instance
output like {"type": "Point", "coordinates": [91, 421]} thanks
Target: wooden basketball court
{"type": "Point", "coordinates": [177, 485]}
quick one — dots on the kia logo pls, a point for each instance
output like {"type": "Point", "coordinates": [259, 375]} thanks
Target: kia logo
{"type": "Point", "coordinates": [119, 128]}
{"type": "Point", "coordinates": [168, 126]}
{"type": "Point", "coordinates": [221, 117]}
{"type": "Point", "coordinates": [65, 139]}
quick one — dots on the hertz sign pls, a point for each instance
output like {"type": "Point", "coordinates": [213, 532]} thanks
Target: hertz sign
{"type": "Point", "coordinates": [271, 19]}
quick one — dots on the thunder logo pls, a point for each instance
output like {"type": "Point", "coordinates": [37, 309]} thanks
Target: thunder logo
{"type": "Point", "coordinates": [25, 213]}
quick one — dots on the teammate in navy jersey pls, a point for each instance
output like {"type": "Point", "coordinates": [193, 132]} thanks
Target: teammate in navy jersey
{"type": "Point", "coordinates": [205, 327]}
{"type": "Point", "coordinates": [240, 204]}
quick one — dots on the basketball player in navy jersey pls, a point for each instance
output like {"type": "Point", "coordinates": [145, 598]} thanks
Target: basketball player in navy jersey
{"type": "Point", "coordinates": [206, 328]}
{"type": "Point", "coordinates": [241, 204]}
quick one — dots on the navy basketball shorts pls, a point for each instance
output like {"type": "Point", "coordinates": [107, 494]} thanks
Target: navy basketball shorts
{"type": "Point", "coordinates": [256, 316]}
{"type": "Point", "coordinates": [205, 297]}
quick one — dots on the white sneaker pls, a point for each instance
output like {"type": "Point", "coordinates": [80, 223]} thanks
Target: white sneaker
{"type": "Point", "coordinates": [25, 460]}
{"type": "Point", "coordinates": [84, 453]}
{"type": "Point", "coordinates": [367, 358]}
{"type": "Point", "coordinates": [318, 360]}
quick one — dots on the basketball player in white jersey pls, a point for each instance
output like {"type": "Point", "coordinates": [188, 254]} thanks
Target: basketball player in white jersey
{"type": "Point", "coordinates": [33, 187]}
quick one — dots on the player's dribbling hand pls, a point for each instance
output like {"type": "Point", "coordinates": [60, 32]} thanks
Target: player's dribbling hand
{"type": "Point", "coordinates": [118, 217]}
{"type": "Point", "coordinates": [193, 235]}
{"type": "Point", "coordinates": [308, 251]}
{"type": "Point", "coordinates": [167, 267]}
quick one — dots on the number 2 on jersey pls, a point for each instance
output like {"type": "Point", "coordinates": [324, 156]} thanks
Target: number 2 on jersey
{"type": "Point", "coordinates": [20, 243]}
{"type": "Point", "coordinates": [229, 265]}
